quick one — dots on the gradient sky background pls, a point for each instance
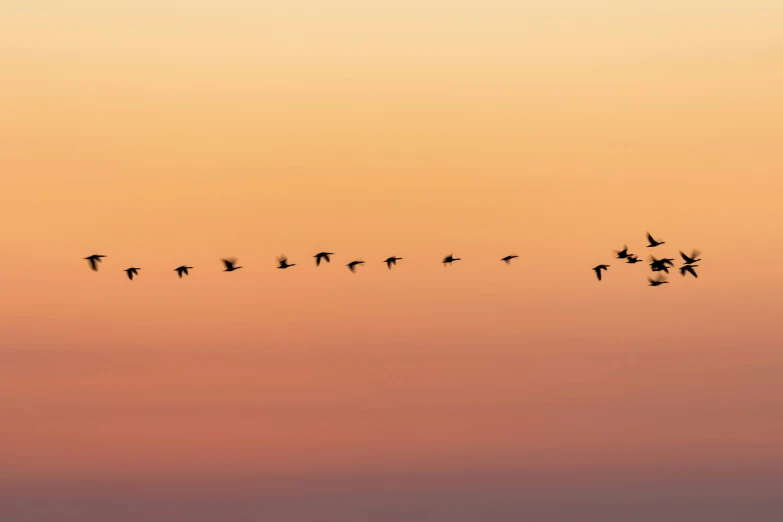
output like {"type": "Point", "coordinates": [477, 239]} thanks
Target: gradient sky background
{"type": "Point", "coordinates": [167, 132]}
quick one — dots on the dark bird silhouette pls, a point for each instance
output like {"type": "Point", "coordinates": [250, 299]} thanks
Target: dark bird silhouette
{"type": "Point", "coordinates": [323, 255]}
{"type": "Point", "coordinates": [230, 265]}
{"type": "Point", "coordinates": [94, 260]}
{"type": "Point", "coordinates": [353, 264]}
{"type": "Point", "coordinates": [450, 259]}
{"type": "Point", "coordinates": [392, 261]}
{"type": "Point", "coordinates": [693, 258]}
{"type": "Point", "coordinates": [284, 263]}
{"type": "Point", "coordinates": [598, 269]}
{"type": "Point", "coordinates": [508, 259]}
{"type": "Point", "coordinates": [623, 254]}
{"type": "Point", "coordinates": [660, 265]}
{"type": "Point", "coordinates": [182, 270]}
{"type": "Point", "coordinates": [690, 270]}
{"type": "Point", "coordinates": [631, 260]}
{"type": "Point", "coordinates": [653, 242]}
{"type": "Point", "coordinates": [657, 282]}
{"type": "Point", "coordinates": [132, 271]}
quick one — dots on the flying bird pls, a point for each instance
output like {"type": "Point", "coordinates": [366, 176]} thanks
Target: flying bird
{"type": "Point", "coordinates": [657, 282]}
{"type": "Point", "coordinates": [230, 265]}
{"type": "Point", "coordinates": [693, 258]}
{"type": "Point", "coordinates": [322, 256]}
{"type": "Point", "coordinates": [631, 260]}
{"type": "Point", "coordinates": [660, 265]}
{"type": "Point", "coordinates": [653, 242]}
{"type": "Point", "coordinates": [94, 260]}
{"type": "Point", "coordinates": [182, 270]}
{"type": "Point", "coordinates": [353, 264]}
{"type": "Point", "coordinates": [508, 259]}
{"type": "Point", "coordinates": [392, 261]}
{"type": "Point", "coordinates": [284, 263]}
{"type": "Point", "coordinates": [690, 270]}
{"type": "Point", "coordinates": [132, 271]}
{"type": "Point", "coordinates": [450, 259]}
{"type": "Point", "coordinates": [623, 254]}
{"type": "Point", "coordinates": [598, 269]}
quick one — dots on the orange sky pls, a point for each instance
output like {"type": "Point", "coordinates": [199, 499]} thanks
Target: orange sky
{"type": "Point", "coordinates": [162, 133]}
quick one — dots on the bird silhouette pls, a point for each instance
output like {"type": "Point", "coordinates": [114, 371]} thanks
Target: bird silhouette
{"type": "Point", "coordinates": [508, 259]}
{"type": "Point", "coordinates": [132, 271]}
{"type": "Point", "coordinates": [94, 260]}
{"type": "Point", "coordinates": [323, 255]}
{"type": "Point", "coordinates": [182, 270]}
{"type": "Point", "coordinates": [353, 264]}
{"type": "Point", "coordinates": [631, 260]}
{"type": "Point", "coordinates": [450, 259]}
{"type": "Point", "coordinates": [623, 254]}
{"type": "Point", "coordinates": [598, 269]}
{"type": "Point", "coordinates": [392, 261]}
{"type": "Point", "coordinates": [690, 270]}
{"type": "Point", "coordinates": [284, 263]}
{"type": "Point", "coordinates": [693, 258]}
{"type": "Point", "coordinates": [657, 282]}
{"type": "Point", "coordinates": [660, 265]}
{"type": "Point", "coordinates": [653, 242]}
{"type": "Point", "coordinates": [230, 265]}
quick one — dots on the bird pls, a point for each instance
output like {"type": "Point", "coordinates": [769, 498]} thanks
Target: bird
{"type": "Point", "coordinates": [653, 242]}
{"type": "Point", "coordinates": [230, 265]}
{"type": "Point", "coordinates": [657, 282]}
{"type": "Point", "coordinates": [392, 261]}
{"type": "Point", "coordinates": [660, 265]}
{"type": "Point", "coordinates": [598, 270]}
{"type": "Point", "coordinates": [322, 255]}
{"type": "Point", "coordinates": [623, 254]}
{"type": "Point", "coordinates": [94, 260]}
{"type": "Point", "coordinates": [182, 270]}
{"type": "Point", "coordinates": [284, 263]}
{"type": "Point", "coordinates": [689, 260]}
{"type": "Point", "coordinates": [690, 270]}
{"type": "Point", "coordinates": [508, 259]}
{"type": "Point", "coordinates": [633, 260]}
{"type": "Point", "coordinates": [353, 264]}
{"type": "Point", "coordinates": [132, 271]}
{"type": "Point", "coordinates": [450, 259]}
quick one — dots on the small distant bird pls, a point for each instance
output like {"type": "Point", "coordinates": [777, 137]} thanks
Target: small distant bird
{"type": "Point", "coordinates": [284, 263]}
{"type": "Point", "coordinates": [693, 258]}
{"type": "Point", "coordinates": [230, 265]}
{"type": "Point", "coordinates": [182, 270]}
{"type": "Point", "coordinates": [623, 254]}
{"type": "Point", "coordinates": [392, 261]}
{"type": "Point", "coordinates": [690, 270]}
{"type": "Point", "coordinates": [132, 271]}
{"type": "Point", "coordinates": [657, 282]}
{"type": "Point", "coordinates": [94, 260]}
{"type": "Point", "coordinates": [633, 260]}
{"type": "Point", "coordinates": [323, 255]}
{"type": "Point", "coordinates": [653, 242]}
{"type": "Point", "coordinates": [598, 269]}
{"type": "Point", "coordinates": [450, 259]}
{"type": "Point", "coordinates": [508, 259]}
{"type": "Point", "coordinates": [660, 265]}
{"type": "Point", "coordinates": [353, 264]}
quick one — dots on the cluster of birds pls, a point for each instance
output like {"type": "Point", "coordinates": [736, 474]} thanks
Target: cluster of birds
{"type": "Point", "coordinates": [231, 264]}
{"type": "Point", "coordinates": [656, 265]}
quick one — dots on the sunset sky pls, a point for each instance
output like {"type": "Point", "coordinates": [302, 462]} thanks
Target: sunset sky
{"type": "Point", "coordinates": [165, 132]}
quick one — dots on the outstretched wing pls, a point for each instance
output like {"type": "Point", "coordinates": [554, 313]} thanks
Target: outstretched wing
{"type": "Point", "coordinates": [228, 263]}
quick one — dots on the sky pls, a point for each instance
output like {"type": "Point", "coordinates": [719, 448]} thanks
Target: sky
{"type": "Point", "coordinates": [162, 133]}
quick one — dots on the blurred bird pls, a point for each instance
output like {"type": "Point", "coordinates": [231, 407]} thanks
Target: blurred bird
{"type": "Point", "coordinates": [508, 259]}
{"type": "Point", "coordinates": [323, 255]}
{"type": "Point", "coordinates": [230, 265]}
{"type": "Point", "coordinates": [689, 269]}
{"type": "Point", "coordinates": [353, 264]}
{"type": "Point", "coordinates": [653, 242]}
{"type": "Point", "coordinates": [132, 271]}
{"type": "Point", "coordinates": [598, 269]}
{"type": "Point", "coordinates": [657, 282]}
{"type": "Point", "coordinates": [660, 265]}
{"type": "Point", "coordinates": [284, 263]}
{"type": "Point", "coordinates": [623, 254]}
{"type": "Point", "coordinates": [633, 260]}
{"type": "Point", "coordinates": [94, 260]}
{"type": "Point", "coordinates": [450, 259]}
{"type": "Point", "coordinates": [392, 261]}
{"type": "Point", "coordinates": [689, 260]}
{"type": "Point", "coordinates": [182, 270]}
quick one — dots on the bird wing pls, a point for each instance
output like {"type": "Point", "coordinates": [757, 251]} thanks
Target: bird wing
{"type": "Point", "coordinates": [650, 238]}
{"type": "Point", "coordinates": [91, 260]}
{"type": "Point", "coordinates": [228, 263]}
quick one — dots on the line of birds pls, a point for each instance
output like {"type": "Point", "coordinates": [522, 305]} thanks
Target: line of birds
{"type": "Point", "coordinates": [656, 265]}
{"type": "Point", "coordinates": [231, 264]}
